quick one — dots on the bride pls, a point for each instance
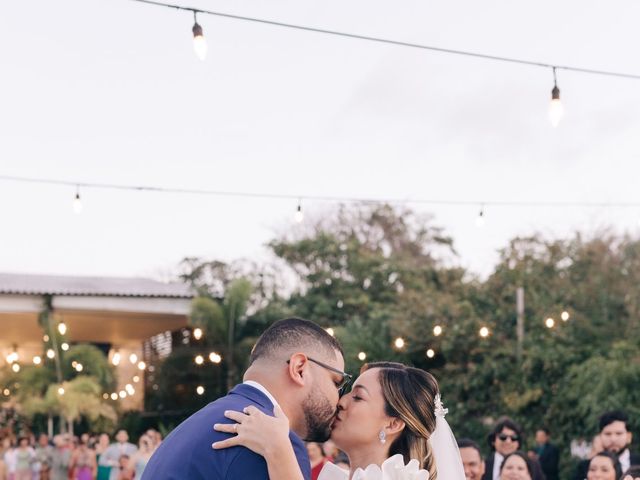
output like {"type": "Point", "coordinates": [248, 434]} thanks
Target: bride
{"type": "Point", "coordinates": [391, 426]}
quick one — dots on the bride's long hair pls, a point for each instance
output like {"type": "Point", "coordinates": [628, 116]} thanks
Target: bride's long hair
{"type": "Point", "coordinates": [409, 395]}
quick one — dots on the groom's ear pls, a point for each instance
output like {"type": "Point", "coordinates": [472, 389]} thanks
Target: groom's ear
{"type": "Point", "coordinates": [395, 425]}
{"type": "Point", "coordinates": [297, 370]}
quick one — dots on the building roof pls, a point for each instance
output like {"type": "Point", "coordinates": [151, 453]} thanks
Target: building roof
{"type": "Point", "coordinates": [28, 284]}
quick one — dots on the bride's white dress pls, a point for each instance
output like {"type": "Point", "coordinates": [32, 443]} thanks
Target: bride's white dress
{"type": "Point", "coordinates": [393, 468]}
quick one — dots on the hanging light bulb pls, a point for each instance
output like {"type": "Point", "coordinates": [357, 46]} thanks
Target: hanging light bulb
{"type": "Point", "coordinates": [480, 218]}
{"type": "Point", "coordinates": [116, 358]}
{"type": "Point", "coordinates": [299, 215]}
{"type": "Point", "coordinates": [77, 203]}
{"type": "Point", "coordinates": [437, 330]}
{"type": "Point", "coordinates": [197, 333]}
{"type": "Point", "coordinates": [556, 110]}
{"type": "Point", "coordinates": [399, 343]}
{"type": "Point", "coordinates": [62, 328]}
{"type": "Point", "coordinates": [362, 356]}
{"type": "Point", "coordinates": [199, 42]}
{"type": "Point", "coordinates": [431, 353]}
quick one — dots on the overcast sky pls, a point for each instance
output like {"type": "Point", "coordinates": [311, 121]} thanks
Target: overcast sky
{"type": "Point", "coordinates": [111, 91]}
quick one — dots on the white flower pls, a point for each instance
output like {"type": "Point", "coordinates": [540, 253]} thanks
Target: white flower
{"type": "Point", "coordinates": [393, 468]}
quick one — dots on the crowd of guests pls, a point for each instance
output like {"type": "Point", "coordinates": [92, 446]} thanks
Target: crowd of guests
{"type": "Point", "coordinates": [66, 457]}
{"type": "Point", "coordinates": [97, 458]}
{"type": "Point", "coordinates": [608, 458]}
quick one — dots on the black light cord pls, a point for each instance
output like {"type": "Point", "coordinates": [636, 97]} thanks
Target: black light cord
{"type": "Point", "coordinates": [396, 42]}
{"type": "Point", "coordinates": [317, 198]}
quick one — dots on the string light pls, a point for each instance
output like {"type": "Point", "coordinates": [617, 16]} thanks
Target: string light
{"type": "Point", "coordinates": [141, 365]}
{"type": "Point", "coordinates": [556, 110]}
{"type": "Point", "coordinates": [298, 217]}
{"type": "Point", "coordinates": [326, 198]}
{"type": "Point", "coordinates": [79, 367]}
{"type": "Point", "coordinates": [399, 343]}
{"type": "Point", "coordinates": [199, 359]}
{"type": "Point", "coordinates": [564, 316]}
{"type": "Point", "coordinates": [480, 218]}
{"type": "Point", "coordinates": [64, 346]}
{"type": "Point", "coordinates": [105, 396]}
{"type": "Point", "coordinates": [214, 357]}
{"type": "Point", "coordinates": [437, 330]}
{"type": "Point", "coordinates": [199, 42]}
{"type": "Point", "coordinates": [62, 328]}
{"type": "Point", "coordinates": [550, 322]}
{"type": "Point", "coordinates": [60, 390]}
{"type": "Point", "coordinates": [200, 390]}
{"type": "Point", "coordinates": [362, 356]}
{"type": "Point", "coordinates": [122, 394]}
{"type": "Point", "coordinates": [51, 354]}
{"type": "Point", "coordinates": [431, 353]}
{"type": "Point", "coordinates": [77, 203]}
{"type": "Point", "coordinates": [6, 392]}
{"type": "Point", "coordinates": [15, 367]}
{"type": "Point", "coordinates": [483, 56]}
{"type": "Point", "coordinates": [114, 396]}
{"type": "Point", "coordinates": [197, 333]}
{"type": "Point", "coordinates": [484, 332]}
{"type": "Point", "coordinates": [136, 379]}
{"type": "Point", "coordinates": [116, 358]}
{"type": "Point", "coordinates": [129, 388]}
{"type": "Point", "coordinates": [45, 338]}
{"type": "Point", "coordinates": [37, 360]}
{"type": "Point", "coordinates": [133, 358]}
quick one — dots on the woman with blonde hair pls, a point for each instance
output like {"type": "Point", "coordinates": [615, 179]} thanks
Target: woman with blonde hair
{"type": "Point", "coordinates": [392, 420]}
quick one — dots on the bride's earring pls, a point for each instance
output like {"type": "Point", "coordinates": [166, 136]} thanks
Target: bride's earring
{"type": "Point", "coordinates": [382, 437]}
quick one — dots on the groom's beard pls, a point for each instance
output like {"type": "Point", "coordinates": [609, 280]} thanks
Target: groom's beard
{"type": "Point", "coordinates": [318, 415]}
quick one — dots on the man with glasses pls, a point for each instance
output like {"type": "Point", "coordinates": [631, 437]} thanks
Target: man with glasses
{"type": "Point", "coordinates": [505, 438]}
{"type": "Point", "coordinates": [296, 365]}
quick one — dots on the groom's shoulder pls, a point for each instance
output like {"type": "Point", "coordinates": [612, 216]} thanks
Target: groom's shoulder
{"type": "Point", "coordinates": [187, 452]}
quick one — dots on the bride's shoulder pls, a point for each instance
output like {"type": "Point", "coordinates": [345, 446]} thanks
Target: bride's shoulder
{"type": "Point", "coordinates": [332, 472]}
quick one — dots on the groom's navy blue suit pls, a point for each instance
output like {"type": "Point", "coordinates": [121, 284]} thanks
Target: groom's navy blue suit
{"type": "Point", "coordinates": [186, 454]}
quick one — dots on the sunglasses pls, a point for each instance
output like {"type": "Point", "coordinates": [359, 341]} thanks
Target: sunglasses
{"type": "Point", "coordinates": [503, 437]}
{"type": "Point", "coordinates": [346, 378]}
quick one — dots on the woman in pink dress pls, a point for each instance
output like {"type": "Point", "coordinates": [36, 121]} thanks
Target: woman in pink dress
{"type": "Point", "coordinates": [83, 463]}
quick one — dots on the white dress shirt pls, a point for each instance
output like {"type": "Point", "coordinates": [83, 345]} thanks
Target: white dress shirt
{"type": "Point", "coordinates": [257, 386]}
{"type": "Point", "coordinates": [497, 463]}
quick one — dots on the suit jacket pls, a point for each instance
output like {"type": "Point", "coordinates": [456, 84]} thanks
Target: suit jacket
{"type": "Point", "coordinates": [549, 459]}
{"type": "Point", "coordinates": [488, 472]}
{"type": "Point", "coordinates": [186, 454]}
{"type": "Point", "coordinates": [583, 467]}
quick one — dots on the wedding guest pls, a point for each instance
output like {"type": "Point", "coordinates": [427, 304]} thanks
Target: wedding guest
{"type": "Point", "coordinates": [506, 438]}
{"type": "Point", "coordinates": [111, 457]}
{"type": "Point", "coordinates": [604, 466]}
{"type": "Point", "coordinates": [140, 459]}
{"type": "Point", "coordinates": [83, 462]}
{"type": "Point", "coordinates": [317, 458]}
{"type": "Point", "coordinates": [616, 438]}
{"type": "Point", "coordinates": [517, 466]}
{"type": "Point", "coordinates": [472, 461]}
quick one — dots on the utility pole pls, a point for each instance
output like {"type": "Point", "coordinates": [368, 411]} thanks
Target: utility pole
{"type": "Point", "coordinates": [520, 322]}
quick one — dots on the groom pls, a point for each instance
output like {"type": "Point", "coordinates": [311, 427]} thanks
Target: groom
{"type": "Point", "coordinates": [295, 364]}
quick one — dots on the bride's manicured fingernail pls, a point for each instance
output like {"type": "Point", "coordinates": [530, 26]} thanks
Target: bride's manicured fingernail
{"type": "Point", "coordinates": [214, 444]}
{"type": "Point", "coordinates": [215, 426]}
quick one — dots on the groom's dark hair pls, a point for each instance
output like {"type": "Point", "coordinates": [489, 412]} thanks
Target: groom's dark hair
{"type": "Point", "coordinates": [293, 334]}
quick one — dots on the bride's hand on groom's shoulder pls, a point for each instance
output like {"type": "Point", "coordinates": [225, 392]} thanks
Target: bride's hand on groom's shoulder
{"type": "Point", "coordinates": [256, 431]}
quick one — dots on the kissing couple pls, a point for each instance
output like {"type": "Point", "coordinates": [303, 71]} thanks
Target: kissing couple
{"type": "Point", "coordinates": [390, 425]}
